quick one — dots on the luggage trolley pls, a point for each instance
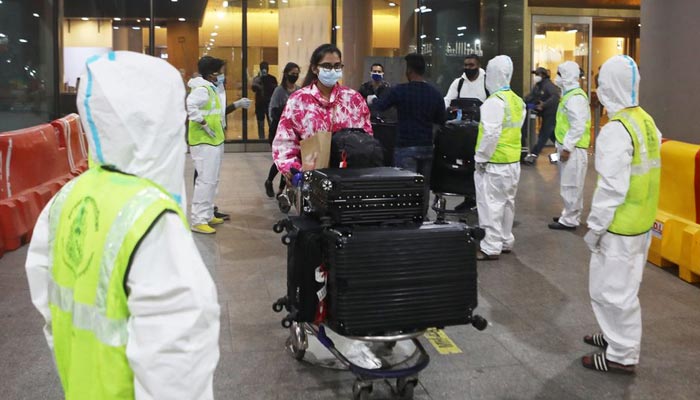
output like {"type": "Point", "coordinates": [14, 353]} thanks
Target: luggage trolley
{"type": "Point", "coordinates": [393, 355]}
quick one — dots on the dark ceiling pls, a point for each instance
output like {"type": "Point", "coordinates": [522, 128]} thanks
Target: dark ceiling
{"type": "Point", "coordinates": [628, 4]}
{"type": "Point", "coordinates": [163, 9]}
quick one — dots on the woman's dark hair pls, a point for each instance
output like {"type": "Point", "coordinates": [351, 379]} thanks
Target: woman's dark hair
{"type": "Point", "coordinates": [316, 58]}
{"type": "Point", "coordinates": [208, 65]}
{"type": "Point", "coordinates": [287, 69]}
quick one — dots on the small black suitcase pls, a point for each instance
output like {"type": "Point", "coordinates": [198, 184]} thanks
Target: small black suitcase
{"type": "Point", "coordinates": [453, 159]}
{"type": "Point", "coordinates": [385, 279]}
{"type": "Point", "coordinates": [365, 195]}
{"type": "Point", "coordinates": [305, 286]}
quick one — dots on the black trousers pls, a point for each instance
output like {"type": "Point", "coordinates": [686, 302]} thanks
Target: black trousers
{"type": "Point", "coordinates": [546, 133]}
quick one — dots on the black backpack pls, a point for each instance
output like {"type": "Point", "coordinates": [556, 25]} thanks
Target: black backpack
{"type": "Point", "coordinates": [355, 149]}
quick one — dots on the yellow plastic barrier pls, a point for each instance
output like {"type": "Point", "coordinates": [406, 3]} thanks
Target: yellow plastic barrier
{"type": "Point", "coordinates": [676, 232]}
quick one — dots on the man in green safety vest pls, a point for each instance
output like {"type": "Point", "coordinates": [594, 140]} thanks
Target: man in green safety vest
{"type": "Point", "coordinates": [205, 136]}
{"type": "Point", "coordinates": [573, 135]}
{"type": "Point", "coordinates": [628, 162]}
{"type": "Point", "coordinates": [497, 159]}
{"type": "Point", "coordinates": [131, 310]}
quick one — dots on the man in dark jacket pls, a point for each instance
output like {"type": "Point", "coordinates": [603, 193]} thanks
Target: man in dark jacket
{"type": "Point", "coordinates": [263, 86]}
{"type": "Point", "coordinates": [545, 95]}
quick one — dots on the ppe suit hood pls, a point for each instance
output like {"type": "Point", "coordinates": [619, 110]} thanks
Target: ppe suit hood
{"type": "Point", "coordinates": [568, 75]}
{"type": "Point", "coordinates": [498, 73]}
{"type": "Point", "coordinates": [197, 82]}
{"type": "Point", "coordinates": [618, 84]}
{"type": "Point", "coordinates": [132, 107]}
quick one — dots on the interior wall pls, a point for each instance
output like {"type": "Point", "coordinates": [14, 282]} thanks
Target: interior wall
{"type": "Point", "coordinates": [602, 49]}
{"type": "Point", "coordinates": [669, 35]}
{"type": "Point", "coordinates": [80, 33]}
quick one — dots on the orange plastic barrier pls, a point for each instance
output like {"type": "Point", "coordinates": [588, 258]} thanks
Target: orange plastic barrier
{"type": "Point", "coordinates": [676, 232]}
{"type": "Point", "coordinates": [69, 126]}
{"type": "Point", "coordinates": [33, 167]}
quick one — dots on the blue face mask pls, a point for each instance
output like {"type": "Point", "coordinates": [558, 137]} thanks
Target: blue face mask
{"type": "Point", "coordinates": [377, 76]}
{"type": "Point", "coordinates": [329, 77]}
{"type": "Point", "coordinates": [220, 80]}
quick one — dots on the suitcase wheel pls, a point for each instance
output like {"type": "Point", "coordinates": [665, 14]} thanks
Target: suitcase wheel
{"type": "Point", "coordinates": [286, 240]}
{"type": "Point", "coordinates": [279, 305]}
{"type": "Point", "coordinates": [479, 322]}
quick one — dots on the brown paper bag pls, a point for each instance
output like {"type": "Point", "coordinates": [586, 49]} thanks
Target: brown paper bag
{"type": "Point", "coordinates": [316, 151]}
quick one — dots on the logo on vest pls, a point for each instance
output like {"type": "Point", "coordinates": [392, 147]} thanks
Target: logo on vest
{"type": "Point", "coordinates": [84, 222]}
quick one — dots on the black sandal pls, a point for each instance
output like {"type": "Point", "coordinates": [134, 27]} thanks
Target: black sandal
{"type": "Point", "coordinates": [598, 362]}
{"type": "Point", "coordinates": [596, 339]}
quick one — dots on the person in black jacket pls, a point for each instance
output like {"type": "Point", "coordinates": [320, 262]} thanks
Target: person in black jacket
{"type": "Point", "coordinates": [545, 94]}
{"type": "Point", "coordinates": [263, 86]}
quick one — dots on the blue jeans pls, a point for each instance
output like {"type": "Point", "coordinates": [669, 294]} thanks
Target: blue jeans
{"type": "Point", "coordinates": [417, 159]}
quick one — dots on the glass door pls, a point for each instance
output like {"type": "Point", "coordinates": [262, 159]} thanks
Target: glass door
{"type": "Point", "coordinates": [558, 39]}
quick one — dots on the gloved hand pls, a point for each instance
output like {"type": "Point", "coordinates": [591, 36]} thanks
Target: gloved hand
{"type": "Point", "coordinates": [370, 99]}
{"type": "Point", "coordinates": [481, 166]}
{"type": "Point", "coordinates": [297, 179]}
{"type": "Point", "coordinates": [209, 131]}
{"type": "Point", "coordinates": [242, 103]}
{"type": "Point", "coordinates": [592, 239]}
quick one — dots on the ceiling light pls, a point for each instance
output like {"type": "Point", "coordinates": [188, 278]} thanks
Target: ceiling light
{"type": "Point", "coordinates": [417, 10]}
{"type": "Point", "coordinates": [337, 27]}
{"type": "Point", "coordinates": [23, 41]}
{"type": "Point", "coordinates": [426, 10]}
{"type": "Point", "coordinates": [117, 19]}
{"type": "Point", "coordinates": [35, 15]}
{"type": "Point", "coordinates": [285, 1]}
{"type": "Point", "coordinates": [2, 35]}
{"type": "Point", "coordinates": [477, 41]}
{"type": "Point", "coordinates": [272, 1]}
{"type": "Point", "coordinates": [138, 20]}
{"type": "Point", "coordinates": [392, 4]}
{"type": "Point", "coordinates": [225, 4]}
{"type": "Point", "coordinates": [181, 19]}
{"type": "Point", "coordinates": [148, 19]}
{"type": "Point", "coordinates": [220, 14]}
{"type": "Point", "coordinates": [298, 39]}
{"type": "Point", "coordinates": [216, 26]}
{"type": "Point", "coordinates": [437, 38]}
{"type": "Point", "coordinates": [214, 34]}
{"type": "Point", "coordinates": [461, 28]}
{"type": "Point", "coordinates": [540, 36]}
{"type": "Point", "coordinates": [157, 26]}
{"type": "Point", "coordinates": [505, 5]}
{"type": "Point", "coordinates": [174, 1]}
{"type": "Point", "coordinates": [136, 28]}
{"type": "Point", "coordinates": [460, 34]}
{"type": "Point", "coordinates": [115, 27]}
{"type": "Point", "coordinates": [423, 36]}
{"type": "Point", "coordinates": [212, 40]}
{"type": "Point", "coordinates": [85, 18]}
{"type": "Point", "coordinates": [572, 31]}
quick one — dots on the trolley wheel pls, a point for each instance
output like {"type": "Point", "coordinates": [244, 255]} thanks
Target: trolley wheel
{"type": "Point", "coordinates": [405, 387]}
{"type": "Point", "coordinates": [278, 306]}
{"type": "Point", "coordinates": [286, 240]}
{"type": "Point", "coordinates": [295, 351]}
{"type": "Point", "coordinates": [479, 322]}
{"type": "Point", "coordinates": [278, 228]}
{"type": "Point", "coordinates": [361, 390]}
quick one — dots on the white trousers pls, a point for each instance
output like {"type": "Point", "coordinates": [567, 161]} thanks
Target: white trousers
{"type": "Point", "coordinates": [572, 177]}
{"type": "Point", "coordinates": [207, 163]}
{"type": "Point", "coordinates": [495, 201]}
{"type": "Point", "coordinates": [615, 275]}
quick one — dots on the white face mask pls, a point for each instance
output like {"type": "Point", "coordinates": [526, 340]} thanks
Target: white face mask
{"type": "Point", "coordinates": [537, 79]}
{"type": "Point", "coordinates": [329, 77]}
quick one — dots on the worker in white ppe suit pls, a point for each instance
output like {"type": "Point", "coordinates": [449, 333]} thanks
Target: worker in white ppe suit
{"type": "Point", "coordinates": [573, 136]}
{"type": "Point", "coordinates": [207, 119]}
{"type": "Point", "coordinates": [131, 310]}
{"type": "Point", "coordinates": [628, 163]}
{"type": "Point", "coordinates": [497, 159]}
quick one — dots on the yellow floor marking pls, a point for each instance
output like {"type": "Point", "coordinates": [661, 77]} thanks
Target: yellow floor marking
{"type": "Point", "coordinates": [442, 343]}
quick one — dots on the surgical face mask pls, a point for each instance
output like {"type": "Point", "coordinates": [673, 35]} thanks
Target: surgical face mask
{"type": "Point", "coordinates": [471, 73]}
{"type": "Point", "coordinates": [377, 76]}
{"type": "Point", "coordinates": [329, 77]}
{"type": "Point", "coordinates": [537, 79]}
{"type": "Point", "coordinates": [292, 78]}
{"type": "Point", "coordinates": [263, 72]}
{"type": "Point", "coordinates": [220, 80]}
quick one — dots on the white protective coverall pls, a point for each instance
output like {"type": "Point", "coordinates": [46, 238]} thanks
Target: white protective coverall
{"type": "Point", "coordinates": [137, 108]}
{"type": "Point", "coordinates": [206, 158]}
{"type": "Point", "coordinates": [617, 262]}
{"type": "Point", "coordinates": [497, 184]}
{"type": "Point", "coordinates": [572, 173]}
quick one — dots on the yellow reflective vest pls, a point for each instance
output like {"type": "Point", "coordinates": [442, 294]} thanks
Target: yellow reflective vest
{"type": "Point", "coordinates": [509, 143]}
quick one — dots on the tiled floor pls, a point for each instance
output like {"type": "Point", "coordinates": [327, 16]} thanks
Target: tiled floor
{"type": "Point", "coordinates": [535, 299]}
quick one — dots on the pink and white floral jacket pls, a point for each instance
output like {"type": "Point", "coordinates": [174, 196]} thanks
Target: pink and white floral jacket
{"type": "Point", "coordinates": [307, 112]}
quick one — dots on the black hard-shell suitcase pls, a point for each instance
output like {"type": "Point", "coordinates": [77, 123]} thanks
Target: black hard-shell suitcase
{"type": "Point", "coordinates": [304, 286]}
{"type": "Point", "coordinates": [453, 159]}
{"type": "Point", "coordinates": [365, 195]}
{"type": "Point", "coordinates": [386, 279]}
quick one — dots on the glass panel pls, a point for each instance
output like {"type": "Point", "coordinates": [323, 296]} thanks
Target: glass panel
{"type": "Point", "coordinates": [27, 69]}
{"type": "Point", "coordinates": [386, 28]}
{"type": "Point", "coordinates": [561, 39]}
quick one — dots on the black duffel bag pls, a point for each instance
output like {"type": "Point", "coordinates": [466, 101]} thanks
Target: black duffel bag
{"type": "Point", "coordinates": [354, 148]}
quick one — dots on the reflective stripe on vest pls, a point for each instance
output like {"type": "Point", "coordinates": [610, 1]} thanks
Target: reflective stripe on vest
{"type": "Point", "coordinates": [509, 142]}
{"type": "Point", "coordinates": [95, 225]}
{"type": "Point", "coordinates": [212, 115]}
{"type": "Point", "coordinates": [562, 123]}
{"type": "Point", "coordinates": [637, 214]}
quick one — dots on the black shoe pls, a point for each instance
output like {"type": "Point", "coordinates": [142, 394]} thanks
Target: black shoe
{"type": "Point", "coordinates": [561, 227]}
{"type": "Point", "coordinates": [555, 219]}
{"type": "Point", "coordinates": [481, 256]}
{"type": "Point", "coordinates": [466, 205]}
{"type": "Point", "coordinates": [223, 216]}
{"type": "Point", "coordinates": [268, 189]}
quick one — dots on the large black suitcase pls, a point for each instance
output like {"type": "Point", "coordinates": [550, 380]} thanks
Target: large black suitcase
{"type": "Point", "coordinates": [304, 260]}
{"type": "Point", "coordinates": [365, 195]}
{"type": "Point", "coordinates": [453, 159]}
{"type": "Point", "coordinates": [400, 278]}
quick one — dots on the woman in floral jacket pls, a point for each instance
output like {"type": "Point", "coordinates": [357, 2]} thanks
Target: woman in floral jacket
{"type": "Point", "coordinates": [321, 105]}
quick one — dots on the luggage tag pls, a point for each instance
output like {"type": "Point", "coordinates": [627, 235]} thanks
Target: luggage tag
{"type": "Point", "coordinates": [321, 275]}
{"type": "Point", "coordinates": [343, 160]}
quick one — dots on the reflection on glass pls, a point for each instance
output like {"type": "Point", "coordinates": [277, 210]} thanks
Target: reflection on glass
{"type": "Point", "coordinates": [555, 42]}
